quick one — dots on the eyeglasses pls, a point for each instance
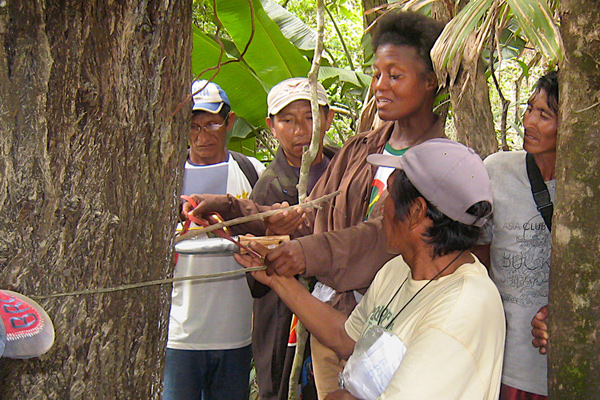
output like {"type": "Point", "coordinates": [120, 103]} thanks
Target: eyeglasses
{"type": "Point", "coordinates": [210, 128]}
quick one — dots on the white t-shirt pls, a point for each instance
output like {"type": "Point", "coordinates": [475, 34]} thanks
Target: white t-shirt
{"type": "Point", "coordinates": [214, 314]}
{"type": "Point", "coordinates": [520, 266]}
{"type": "Point", "coordinates": [453, 331]}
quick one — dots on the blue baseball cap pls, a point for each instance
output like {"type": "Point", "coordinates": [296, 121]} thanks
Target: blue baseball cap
{"type": "Point", "coordinates": [208, 96]}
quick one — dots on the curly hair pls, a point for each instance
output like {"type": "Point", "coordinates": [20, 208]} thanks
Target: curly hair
{"type": "Point", "coordinates": [407, 28]}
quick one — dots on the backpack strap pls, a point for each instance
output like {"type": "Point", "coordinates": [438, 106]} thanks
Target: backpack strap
{"type": "Point", "coordinates": [539, 190]}
{"type": "Point", "coordinates": [246, 166]}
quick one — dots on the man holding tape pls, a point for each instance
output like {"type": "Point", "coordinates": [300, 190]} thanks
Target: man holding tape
{"type": "Point", "coordinates": [432, 321]}
{"type": "Point", "coordinates": [290, 122]}
{"type": "Point", "coordinates": [208, 347]}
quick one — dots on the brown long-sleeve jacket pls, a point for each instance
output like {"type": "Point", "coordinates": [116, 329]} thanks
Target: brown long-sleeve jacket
{"type": "Point", "coordinates": [345, 252]}
{"type": "Point", "coordinates": [341, 249]}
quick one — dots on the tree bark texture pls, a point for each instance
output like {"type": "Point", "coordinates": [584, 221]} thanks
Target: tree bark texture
{"type": "Point", "coordinates": [473, 118]}
{"type": "Point", "coordinates": [368, 5]}
{"type": "Point", "coordinates": [470, 94]}
{"type": "Point", "coordinates": [574, 310]}
{"type": "Point", "coordinates": [91, 165]}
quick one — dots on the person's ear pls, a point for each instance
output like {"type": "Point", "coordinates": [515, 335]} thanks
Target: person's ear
{"type": "Point", "coordinates": [328, 120]}
{"type": "Point", "coordinates": [417, 212]}
{"type": "Point", "coordinates": [230, 120]}
{"type": "Point", "coordinates": [271, 125]}
{"type": "Point", "coordinates": [431, 82]}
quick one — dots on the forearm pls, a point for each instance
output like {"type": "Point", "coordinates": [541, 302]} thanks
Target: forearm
{"type": "Point", "coordinates": [244, 207]}
{"type": "Point", "coordinates": [320, 319]}
{"type": "Point", "coordinates": [347, 259]}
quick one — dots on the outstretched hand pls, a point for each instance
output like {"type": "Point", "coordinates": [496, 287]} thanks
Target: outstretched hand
{"type": "Point", "coordinates": [287, 259]}
{"type": "Point", "coordinates": [250, 260]}
{"type": "Point", "coordinates": [540, 330]}
{"type": "Point", "coordinates": [285, 222]}
{"type": "Point", "coordinates": [204, 204]}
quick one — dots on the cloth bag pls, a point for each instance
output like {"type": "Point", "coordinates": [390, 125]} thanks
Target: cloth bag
{"type": "Point", "coordinates": [369, 370]}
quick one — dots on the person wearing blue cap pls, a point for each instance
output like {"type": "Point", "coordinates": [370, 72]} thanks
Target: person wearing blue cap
{"type": "Point", "coordinates": [209, 341]}
{"type": "Point", "coordinates": [212, 118]}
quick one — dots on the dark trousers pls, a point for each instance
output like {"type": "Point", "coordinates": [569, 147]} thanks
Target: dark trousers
{"type": "Point", "coordinates": [207, 374]}
{"type": "Point", "coordinates": [511, 393]}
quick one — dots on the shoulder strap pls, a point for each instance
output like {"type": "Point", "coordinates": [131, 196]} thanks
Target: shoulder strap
{"type": "Point", "coordinates": [539, 191]}
{"type": "Point", "coordinates": [246, 166]}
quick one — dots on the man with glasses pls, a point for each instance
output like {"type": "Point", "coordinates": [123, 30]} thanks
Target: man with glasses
{"type": "Point", "coordinates": [209, 341]}
{"type": "Point", "coordinates": [212, 118]}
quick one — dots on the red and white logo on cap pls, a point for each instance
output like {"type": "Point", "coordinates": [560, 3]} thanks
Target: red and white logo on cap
{"type": "Point", "coordinates": [20, 318]}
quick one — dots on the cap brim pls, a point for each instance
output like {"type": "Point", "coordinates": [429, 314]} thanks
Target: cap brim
{"type": "Point", "coordinates": [25, 327]}
{"type": "Point", "coordinates": [385, 160]}
{"type": "Point", "coordinates": [212, 108]}
{"type": "Point", "coordinates": [300, 96]}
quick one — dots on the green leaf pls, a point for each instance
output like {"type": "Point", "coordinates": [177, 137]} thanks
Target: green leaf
{"type": "Point", "coordinates": [358, 79]}
{"type": "Point", "coordinates": [524, 68]}
{"type": "Point", "coordinates": [241, 129]}
{"type": "Point", "coordinates": [272, 57]}
{"type": "Point", "coordinates": [291, 26]}
{"type": "Point", "coordinates": [535, 19]}
{"type": "Point", "coordinates": [246, 93]}
{"type": "Point", "coordinates": [450, 46]}
{"type": "Point", "coordinates": [416, 5]}
{"type": "Point", "coordinates": [517, 128]}
{"type": "Point", "coordinates": [244, 146]}
{"type": "Point", "coordinates": [511, 39]}
{"type": "Point", "coordinates": [534, 22]}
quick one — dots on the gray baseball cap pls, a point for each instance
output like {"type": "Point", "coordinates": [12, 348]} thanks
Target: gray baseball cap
{"type": "Point", "coordinates": [450, 175]}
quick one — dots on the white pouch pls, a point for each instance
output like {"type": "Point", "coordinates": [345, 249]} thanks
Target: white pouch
{"type": "Point", "coordinates": [323, 292]}
{"type": "Point", "coordinates": [377, 356]}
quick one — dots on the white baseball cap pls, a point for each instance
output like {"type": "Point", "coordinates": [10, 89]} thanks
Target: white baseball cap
{"type": "Point", "coordinates": [290, 90]}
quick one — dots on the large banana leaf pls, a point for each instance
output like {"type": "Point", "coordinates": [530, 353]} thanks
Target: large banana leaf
{"type": "Point", "coordinates": [245, 90]}
{"type": "Point", "coordinates": [272, 57]}
{"type": "Point", "coordinates": [291, 26]}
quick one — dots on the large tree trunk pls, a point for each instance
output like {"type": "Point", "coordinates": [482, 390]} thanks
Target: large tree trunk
{"type": "Point", "coordinates": [368, 5]}
{"type": "Point", "coordinates": [470, 95]}
{"type": "Point", "coordinates": [574, 361]}
{"type": "Point", "coordinates": [90, 163]}
{"type": "Point", "coordinates": [473, 118]}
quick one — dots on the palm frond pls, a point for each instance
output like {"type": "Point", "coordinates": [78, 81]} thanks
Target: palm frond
{"type": "Point", "coordinates": [449, 50]}
{"type": "Point", "coordinates": [464, 37]}
{"type": "Point", "coordinates": [535, 19]}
